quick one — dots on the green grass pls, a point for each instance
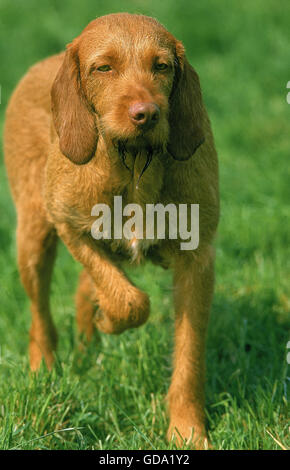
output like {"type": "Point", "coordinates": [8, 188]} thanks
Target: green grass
{"type": "Point", "coordinates": [114, 397]}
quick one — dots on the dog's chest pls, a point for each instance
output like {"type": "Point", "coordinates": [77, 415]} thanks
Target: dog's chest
{"type": "Point", "coordinates": [135, 251]}
{"type": "Point", "coordinates": [139, 248]}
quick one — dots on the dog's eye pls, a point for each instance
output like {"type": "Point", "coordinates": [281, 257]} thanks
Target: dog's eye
{"type": "Point", "coordinates": [104, 68]}
{"type": "Point", "coordinates": [161, 66]}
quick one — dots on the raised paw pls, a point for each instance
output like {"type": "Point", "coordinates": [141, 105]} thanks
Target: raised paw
{"type": "Point", "coordinates": [127, 314]}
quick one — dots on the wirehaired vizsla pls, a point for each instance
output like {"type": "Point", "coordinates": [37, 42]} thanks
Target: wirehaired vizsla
{"type": "Point", "coordinates": [82, 127]}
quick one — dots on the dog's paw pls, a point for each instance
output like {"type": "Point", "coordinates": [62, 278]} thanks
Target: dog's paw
{"type": "Point", "coordinates": [182, 434]}
{"type": "Point", "coordinates": [131, 313]}
{"type": "Point", "coordinates": [42, 345]}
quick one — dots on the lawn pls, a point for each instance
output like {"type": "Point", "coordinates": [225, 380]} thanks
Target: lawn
{"type": "Point", "coordinates": [114, 396]}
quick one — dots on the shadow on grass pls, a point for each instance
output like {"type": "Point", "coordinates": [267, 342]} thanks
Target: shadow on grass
{"type": "Point", "coordinates": [247, 336]}
{"type": "Point", "coordinates": [246, 355]}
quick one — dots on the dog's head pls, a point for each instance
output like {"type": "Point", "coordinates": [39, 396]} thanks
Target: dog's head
{"type": "Point", "coordinates": [127, 78]}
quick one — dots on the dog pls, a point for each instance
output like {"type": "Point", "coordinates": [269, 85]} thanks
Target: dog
{"type": "Point", "coordinates": [120, 112]}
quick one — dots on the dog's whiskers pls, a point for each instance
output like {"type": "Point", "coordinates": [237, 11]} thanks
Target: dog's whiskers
{"type": "Point", "coordinates": [148, 161]}
{"type": "Point", "coordinates": [121, 146]}
{"type": "Point", "coordinates": [122, 149]}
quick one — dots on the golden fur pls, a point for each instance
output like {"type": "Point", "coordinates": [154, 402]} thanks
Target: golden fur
{"type": "Point", "coordinates": [63, 122]}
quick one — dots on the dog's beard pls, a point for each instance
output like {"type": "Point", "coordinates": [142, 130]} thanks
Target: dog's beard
{"type": "Point", "coordinates": [125, 146]}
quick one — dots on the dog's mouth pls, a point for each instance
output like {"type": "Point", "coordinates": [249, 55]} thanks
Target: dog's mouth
{"type": "Point", "coordinates": [124, 147]}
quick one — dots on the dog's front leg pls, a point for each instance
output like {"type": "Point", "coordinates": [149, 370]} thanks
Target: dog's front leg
{"type": "Point", "coordinates": [121, 305]}
{"type": "Point", "coordinates": [193, 288]}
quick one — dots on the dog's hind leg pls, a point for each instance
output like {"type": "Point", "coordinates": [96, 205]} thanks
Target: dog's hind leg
{"type": "Point", "coordinates": [85, 305]}
{"type": "Point", "coordinates": [36, 243]}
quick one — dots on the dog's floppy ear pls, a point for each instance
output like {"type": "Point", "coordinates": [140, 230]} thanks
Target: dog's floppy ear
{"type": "Point", "coordinates": [186, 110]}
{"type": "Point", "coordinates": [73, 119]}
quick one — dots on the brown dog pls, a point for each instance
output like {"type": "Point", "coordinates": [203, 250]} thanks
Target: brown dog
{"type": "Point", "coordinates": [81, 128]}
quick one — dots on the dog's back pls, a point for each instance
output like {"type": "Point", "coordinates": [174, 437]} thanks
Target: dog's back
{"type": "Point", "coordinates": [28, 127]}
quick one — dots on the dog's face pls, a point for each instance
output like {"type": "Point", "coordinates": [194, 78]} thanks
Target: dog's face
{"type": "Point", "coordinates": [127, 78]}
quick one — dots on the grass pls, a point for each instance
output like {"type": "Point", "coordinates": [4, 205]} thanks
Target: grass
{"type": "Point", "coordinates": [114, 397]}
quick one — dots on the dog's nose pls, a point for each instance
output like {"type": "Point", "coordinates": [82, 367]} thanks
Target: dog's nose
{"type": "Point", "coordinates": [144, 115]}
